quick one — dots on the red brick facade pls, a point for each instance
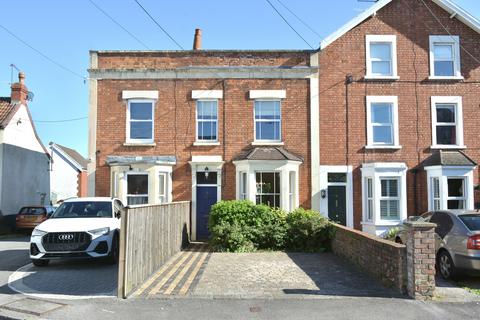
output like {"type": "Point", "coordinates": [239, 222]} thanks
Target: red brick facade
{"type": "Point", "coordinates": [175, 121]}
{"type": "Point", "coordinates": [343, 106]}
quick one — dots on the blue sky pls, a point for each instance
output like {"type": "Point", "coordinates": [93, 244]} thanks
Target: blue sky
{"type": "Point", "coordinates": [66, 30]}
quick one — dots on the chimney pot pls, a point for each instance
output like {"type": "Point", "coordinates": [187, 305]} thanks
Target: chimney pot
{"type": "Point", "coordinates": [21, 77]}
{"type": "Point", "coordinates": [197, 40]}
{"type": "Point", "coordinates": [19, 90]}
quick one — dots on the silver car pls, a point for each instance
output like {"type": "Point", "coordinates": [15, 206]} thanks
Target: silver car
{"type": "Point", "coordinates": [457, 240]}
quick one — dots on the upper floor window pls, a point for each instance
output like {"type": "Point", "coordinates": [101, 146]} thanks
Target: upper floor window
{"type": "Point", "coordinates": [447, 123]}
{"type": "Point", "coordinates": [207, 120]}
{"type": "Point", "coordinates": [268, 120]}
{"type": "Point", "coordinates": [140, 121]}
{"type": "Point", "coordinates": [381, 56]}
{"type": "Point", "coordinates": [382, 121]}
{"type": "Point", "coordinates": [445, 57]}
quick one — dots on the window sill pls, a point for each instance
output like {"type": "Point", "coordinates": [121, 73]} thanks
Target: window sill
{"type": "Point", "coordinates": [383, 147]}
{"type": "Point", "coordinates": [201, 143]}
{"type": "Point", "coordinates": [438, 147]}
{"type": "Point", "coordinates": [139, 144]}
{"type": "Point", "coordinates": [382, 223]}
{"type": "Point", "coordinates": [436, 78]}
{"type": "Point", "coordinates": [267, 143]}
{"type": "Point", "coordinates": [381, 78]}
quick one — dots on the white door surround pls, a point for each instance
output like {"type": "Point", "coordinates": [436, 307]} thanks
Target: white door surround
{"type": "Point", "coordinates": [323, 181]}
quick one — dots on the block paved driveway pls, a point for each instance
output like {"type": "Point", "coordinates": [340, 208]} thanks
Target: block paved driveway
{"type": "Point", "coordinates": [199, 273]}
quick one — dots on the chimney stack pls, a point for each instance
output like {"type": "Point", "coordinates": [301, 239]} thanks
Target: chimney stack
{"type": "Point", "coordinates": [19, 90]}
{"type": "Point", "coordinates": [197, 41]}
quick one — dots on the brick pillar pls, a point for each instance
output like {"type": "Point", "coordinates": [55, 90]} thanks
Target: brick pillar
{"type": "Point", "coordinates": [420, 259]}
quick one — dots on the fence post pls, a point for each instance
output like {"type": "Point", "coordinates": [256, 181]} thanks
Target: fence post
{"type": "Point", "coordinates": [420, 259]}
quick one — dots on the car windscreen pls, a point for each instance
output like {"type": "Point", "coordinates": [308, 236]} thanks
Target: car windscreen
{"type": "Point", "coordinates": [84, 209]}
{"type": "Point", "coordinates": [472, 221]}
{"type": "Point", "coordinates": [32, 211]}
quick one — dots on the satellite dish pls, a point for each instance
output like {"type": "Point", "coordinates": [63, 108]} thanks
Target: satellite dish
{"type": "Point", "coordinates": [30, 96]}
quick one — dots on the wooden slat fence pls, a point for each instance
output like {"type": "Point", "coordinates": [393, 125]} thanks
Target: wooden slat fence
{"type": "Point", "coordinates": [149, 236]}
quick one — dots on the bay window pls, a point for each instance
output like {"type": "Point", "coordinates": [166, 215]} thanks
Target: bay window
{"type": "Point", "coordinates": [268, 188]}
{"type": "Point", "coordinates": [137, 188]}
{"type": "Point", "coordinates": [384, 196]}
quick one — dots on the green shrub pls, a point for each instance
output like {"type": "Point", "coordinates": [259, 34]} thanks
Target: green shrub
{"type": "Point", "coordinates": [230, 238]}
{"type": "Point", "coordinates": [241, 226]}
{"type": "Point", "coordinates": [308, 231]}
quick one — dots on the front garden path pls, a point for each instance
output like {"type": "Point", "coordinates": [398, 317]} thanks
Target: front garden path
{"type": "Point", "coordinates": [268, 275]}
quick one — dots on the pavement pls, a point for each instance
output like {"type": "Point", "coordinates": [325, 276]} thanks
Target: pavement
{"type": "Point", "coordinates": [286, 286]}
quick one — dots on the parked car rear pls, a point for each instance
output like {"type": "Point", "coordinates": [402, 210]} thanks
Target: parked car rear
{"type": "Point", "coordinates": [457, 240]}
{"type": "Point", "coordinates": [31, 216]}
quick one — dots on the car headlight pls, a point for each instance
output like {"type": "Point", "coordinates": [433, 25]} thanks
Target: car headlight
{"type": "Point", "coordinates": [100, 232]}
{"type": "Point", "coordinates": [38, 233]}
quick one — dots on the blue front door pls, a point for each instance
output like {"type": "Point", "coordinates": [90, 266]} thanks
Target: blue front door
{"type": "Point", "coordinates": [206, 197]}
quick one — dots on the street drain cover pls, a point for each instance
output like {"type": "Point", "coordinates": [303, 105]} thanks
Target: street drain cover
{"type": "Point", "coordinates": [32, 306]}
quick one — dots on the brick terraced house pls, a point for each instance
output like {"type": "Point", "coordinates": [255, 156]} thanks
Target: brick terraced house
{"type": "Point", "coordinates": [378, 124]}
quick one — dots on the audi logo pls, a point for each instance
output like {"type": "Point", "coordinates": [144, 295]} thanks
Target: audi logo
{"type": "Point", "coordinates": [64, 237]}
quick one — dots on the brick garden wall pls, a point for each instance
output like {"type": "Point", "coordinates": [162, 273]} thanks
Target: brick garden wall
{"type": "Point", "coordinates": [383, 259]}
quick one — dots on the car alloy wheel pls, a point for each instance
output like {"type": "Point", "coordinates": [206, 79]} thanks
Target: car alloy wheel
{"type": "Point", "coordinates": [446, 265]}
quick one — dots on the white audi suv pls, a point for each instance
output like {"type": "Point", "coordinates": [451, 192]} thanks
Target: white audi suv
{"type": "Point", "coordinates": [79, 228]}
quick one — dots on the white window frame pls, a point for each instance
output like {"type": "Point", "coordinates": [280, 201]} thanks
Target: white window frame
{"type": "Point", "coordinates": [457, 101]}
{"type": "Point", "coordinates": [454, 41]}
{"type": "Point", "coordinates": [291, 190]}
{"type": "Point", "coordinates": [140, 141]}
{"type": "Point", "coordinates": [389, 39]}
{"type": "Point", "coordinates": [255, 120]}
{"type": "Point", "coordinates": [163, 197]}
{"type": "Point", "coordinates": [243, 185]}
{"type": "Point", "coordinates": [435, 199]}
{"type": "Point", "coordinates": [378, 171]}
{"type": "Point", "coordinates": [393, 100]}
{"type": "Point", "coordinates": [279, 194]}
{"type": "Point", "coordinates": [198, 140]}
{"type": "Point", "coordinates": [444, 173]}
{"type": "Point", "coordinates": [137, 173]}
{"type": "Point", "coordinates": [388, 198]}
{"type": "Point", "coordinates": [465, 195]}
{"type": "Point", "coordinates": [369, 200]}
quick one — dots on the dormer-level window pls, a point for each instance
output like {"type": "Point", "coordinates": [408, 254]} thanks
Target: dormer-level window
{"type": "Point", "coordinates": [140, 121]}
{"type": "Point", "coordinates": [381, 56]}
{"type": "Point", "coordinates": [445, 57]}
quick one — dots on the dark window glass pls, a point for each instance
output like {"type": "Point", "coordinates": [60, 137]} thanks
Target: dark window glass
{"type": "Point", "coordinates": [268, 188]}
{"type": "Point", "coordinates": [472, 221]}
{"type": "Point", "coordinates": [84, 209]}
{"type": "Point", "coordinates": [446, 135]}
{"type": "Point", "coordinates": [32, 211]}
{"type": "Point", "coordinates": [444, 223]}
{"type": "Point", "coordinates": [137, 184]}
{"type": "Point", "coordinates": [210, 178]}
{"type": "Point", "coordinates": [141, 130]}
{"type": "Point", "coordinates": [455, 204]}
{"type": "Point", "coordinates": [455, 187]}
{"type": "Point", "coordinates": [446, 113]}
{"type": "Point", "coordinates": [337, 177]}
